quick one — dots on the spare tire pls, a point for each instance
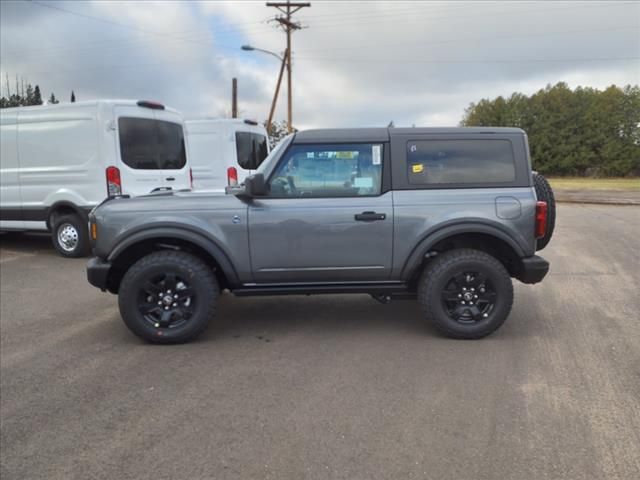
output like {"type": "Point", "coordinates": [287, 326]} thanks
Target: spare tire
{"type": "Point", "coordinates": [545, 194]}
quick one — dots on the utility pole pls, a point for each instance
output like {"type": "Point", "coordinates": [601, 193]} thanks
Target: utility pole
{"type": "Point", "coordinates": [288, 8]}
{"type": "Point", "coordinates": [275, 95]}
{"type": "Point", "coordinates": [234, 98]}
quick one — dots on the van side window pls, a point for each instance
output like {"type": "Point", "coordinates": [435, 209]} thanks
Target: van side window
{"type": "Point", "coordinates": [338, 170]}
{"type": "Point", "coordinates": [251, 149]}
{"type": "Point", "coordinates": [147, 144]}
{"type": "Point", "coordinates": [460, 161]}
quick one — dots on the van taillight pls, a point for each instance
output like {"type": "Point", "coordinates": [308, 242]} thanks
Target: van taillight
{"type": "Point", "coordinates": [232, 176]}
{"type": "Point", "coordinates": [114, 184]}
{"type": "Point", "coordinates": [541, 219]}
{"type": "Point", "coordinates": [191, 178]}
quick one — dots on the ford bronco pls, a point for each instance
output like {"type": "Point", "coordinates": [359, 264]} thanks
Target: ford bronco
{"type": "Point", "coordinates": [444, 215]}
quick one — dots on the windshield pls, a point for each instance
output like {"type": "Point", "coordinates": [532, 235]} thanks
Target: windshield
{"type": "Point", "coordinates": [270, 162]}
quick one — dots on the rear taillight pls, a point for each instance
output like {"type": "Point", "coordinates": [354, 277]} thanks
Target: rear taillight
{"type": "Point", "coordinates": [541, 219]}
{"type": "Point", "coordinates": [114, 184]}
{"type": "Point", "coordinates": [232, 176]}
{"type": "Point", "coordinates": [191, 179]}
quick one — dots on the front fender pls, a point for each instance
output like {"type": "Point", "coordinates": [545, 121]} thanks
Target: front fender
{"type": "Point", "coordinates": [182, 232]}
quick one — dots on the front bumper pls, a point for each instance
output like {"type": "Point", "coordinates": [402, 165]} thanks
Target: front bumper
{"type": "Point", "coordinates": [534, 269]}
{"type": "Point", "coordinates": [98, 272]}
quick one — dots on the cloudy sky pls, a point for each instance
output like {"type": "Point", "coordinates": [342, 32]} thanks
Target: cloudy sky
{"type": "Point", "coordinates": [355, 63]}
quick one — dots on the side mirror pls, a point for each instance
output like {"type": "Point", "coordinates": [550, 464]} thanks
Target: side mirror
{"type": "Point", "coordinates": [254, 186]}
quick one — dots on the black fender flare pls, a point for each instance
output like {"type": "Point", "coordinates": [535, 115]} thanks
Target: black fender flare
{"type": "Point", "coordinates": [180, 232]}
{"type": "Point", "coordinates": [82, 212]}
{"type": "Point", "coordinates": [431, 238]}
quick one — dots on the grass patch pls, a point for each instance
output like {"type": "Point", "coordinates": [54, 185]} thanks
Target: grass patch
{"type": "Point", "coordinates": [576, 183]}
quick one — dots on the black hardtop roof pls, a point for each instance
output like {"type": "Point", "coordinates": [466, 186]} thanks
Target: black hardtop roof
{"type": "Point", "coordinates": [383, 134]}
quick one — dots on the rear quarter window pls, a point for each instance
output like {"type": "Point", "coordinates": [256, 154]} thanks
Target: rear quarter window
{"type": "Point", "coordinates": [440, 162]}
{"type": "Point", "coordinates": [148, 144]}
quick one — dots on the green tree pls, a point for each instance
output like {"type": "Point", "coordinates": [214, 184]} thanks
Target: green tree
{"type": "Point", "coordinates": [571, 132]}
{"type": "Point", "coordinates": [53, 100]}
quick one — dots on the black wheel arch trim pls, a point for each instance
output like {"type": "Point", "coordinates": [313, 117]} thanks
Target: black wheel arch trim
{"type": "Point", "coordinates": [82, 212]}
{"type": "Point", "coordinates": [431, 238]}
{"type": "Point", "coordinates": [179, 232]}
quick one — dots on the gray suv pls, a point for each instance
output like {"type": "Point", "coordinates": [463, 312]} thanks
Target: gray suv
{"type": "Point", "coordinates": [444, 215]}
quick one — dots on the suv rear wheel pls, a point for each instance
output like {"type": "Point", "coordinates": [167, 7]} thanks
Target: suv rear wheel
{"type": "Point", "coordinates": [168, 297]}
{"type": "Point", "coordinates": [466, 293]}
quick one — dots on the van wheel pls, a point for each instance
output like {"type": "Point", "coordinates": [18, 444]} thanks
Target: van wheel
{"type": "Point", "coordinates": [70, 236]}
{"type": "Point", "coordinates": [466, 293]}
{"type": "Point", "coordinates": [168, 297]}
{"type": "Point", "coordinates": [544, 192]}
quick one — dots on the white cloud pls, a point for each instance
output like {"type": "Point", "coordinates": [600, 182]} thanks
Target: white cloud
{"type": "Point", "coordinates": [358, 63]}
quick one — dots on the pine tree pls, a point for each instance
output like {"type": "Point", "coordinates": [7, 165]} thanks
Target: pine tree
{"type": "Point", "coordinates": [53, 100]}
{"type": "Point", "coordinates": [37, 98]}
{"type": "Point", "coordinates": [73, 97]}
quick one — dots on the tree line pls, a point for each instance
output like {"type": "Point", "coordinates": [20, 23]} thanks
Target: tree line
{"type": "Point", "coordinates": [581, 132]}
{"type": "Point", "coordinates": [26, 96]}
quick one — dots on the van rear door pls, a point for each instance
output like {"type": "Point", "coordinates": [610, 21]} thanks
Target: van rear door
{"type": "Point", "coordinates": [137, 147]}
{"type": "Point", "coordinates": [172, 155]}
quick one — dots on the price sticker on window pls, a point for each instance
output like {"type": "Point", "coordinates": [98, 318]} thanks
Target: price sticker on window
{"type": "Point", "coordinates": [376, 154]}
{"type": "Point", "coordinates": [344, 155]}
{"type": "Point", "coordinates": [418, 168]}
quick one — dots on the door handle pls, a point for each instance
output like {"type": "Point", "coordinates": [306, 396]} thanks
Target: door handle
{"type": "Point", "coordinates": [170, 179]}
{"type": "Point", "coordinates": [370, 216]}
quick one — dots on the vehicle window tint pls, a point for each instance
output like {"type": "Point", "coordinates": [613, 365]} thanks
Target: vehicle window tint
{"type": "Point", "coordinates": [138, 145]}
{"type": "Point", "coordinates": [171, 152]}
{"type": "Point", "coordinates": [147, 144]}
{"type": "Point", "coordinates": [460, 161]}
{"type": "Point", "coordinates": [329, 171]}
{"type": "Point", "coordinates": [251, 149]}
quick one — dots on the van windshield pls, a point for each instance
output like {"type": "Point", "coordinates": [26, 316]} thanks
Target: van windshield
{"type": "Point", "coordinates": [147, 144]}
{"type": "Point", "coordinates": [251, 149]}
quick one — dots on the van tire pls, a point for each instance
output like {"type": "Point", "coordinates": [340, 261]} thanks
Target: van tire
{"type": "Point", "coordinates": [70, 235]}
{"type": "Point", "coordinates": [544, 192]}
{"type": "Point", "coordinates": [147, 284]}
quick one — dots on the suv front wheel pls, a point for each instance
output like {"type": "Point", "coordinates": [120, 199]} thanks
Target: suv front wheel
{"type": "Point", "coordinates": [168, 297]}
{"type": "Point", "coordinates": [466, 293]}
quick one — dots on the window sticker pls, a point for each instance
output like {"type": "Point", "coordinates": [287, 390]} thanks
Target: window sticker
{"type": "Point", "coordinates": [418, 168]}
{"type": "Point", "coordinates": [376, 157]}
{"type": "Point", "coordinates": [345, 155]}
{"type": "Point", "coordinates": [310, 154]}
{"type": "Point", "coordinates": [363, 182]}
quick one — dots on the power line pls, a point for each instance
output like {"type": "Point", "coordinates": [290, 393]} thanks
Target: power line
{"type": "Point", "coordinates": [488, 61]}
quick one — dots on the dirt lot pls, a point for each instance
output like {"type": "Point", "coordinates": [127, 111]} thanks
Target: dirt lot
{"type": "Point", "coordinates": [329, 387]}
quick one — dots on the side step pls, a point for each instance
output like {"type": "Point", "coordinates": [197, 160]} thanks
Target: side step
{"type": "Point", "coordinates": [318, 289]}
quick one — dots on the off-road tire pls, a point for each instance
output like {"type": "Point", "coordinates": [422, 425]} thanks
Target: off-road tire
{"type": "Point", "coordinates": [544, 192]}
{"type": "Point", "coordinates": [75, 230]}
{"type": "Point", "coordinates": [196, 273]}
{"type": "Point", "coordinates": [439, 273]}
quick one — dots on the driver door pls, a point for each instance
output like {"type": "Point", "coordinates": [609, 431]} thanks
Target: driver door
{"type": "Point", "coordinates": [327, 217]}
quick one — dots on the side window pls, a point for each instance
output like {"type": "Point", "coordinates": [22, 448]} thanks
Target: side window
{"type": "Point", "coordinates": [251, 149]}
{"type": "Point", "coordinates": [147, 144]}
{"type": "Point", "coordinates": [432, 162]}
{"type": "Point", "coordinates": [138, 143]}
{"type": "Point", "coordinates": [341, 170]}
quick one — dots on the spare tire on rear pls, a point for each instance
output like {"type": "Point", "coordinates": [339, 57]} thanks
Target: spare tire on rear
{"type": "Point", "coordinates": [545, 194]}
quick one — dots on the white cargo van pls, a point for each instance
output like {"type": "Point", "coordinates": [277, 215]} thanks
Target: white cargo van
{"type": "Point", "coordinates": [224, 151]}
{"type": "Point", "coordinates": [58, 161]}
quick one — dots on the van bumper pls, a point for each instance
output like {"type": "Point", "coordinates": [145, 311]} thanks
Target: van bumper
{"type": "Point", "coordinates": [98, 273]}
{"type": "Point", "coordinates": [534, 269]}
